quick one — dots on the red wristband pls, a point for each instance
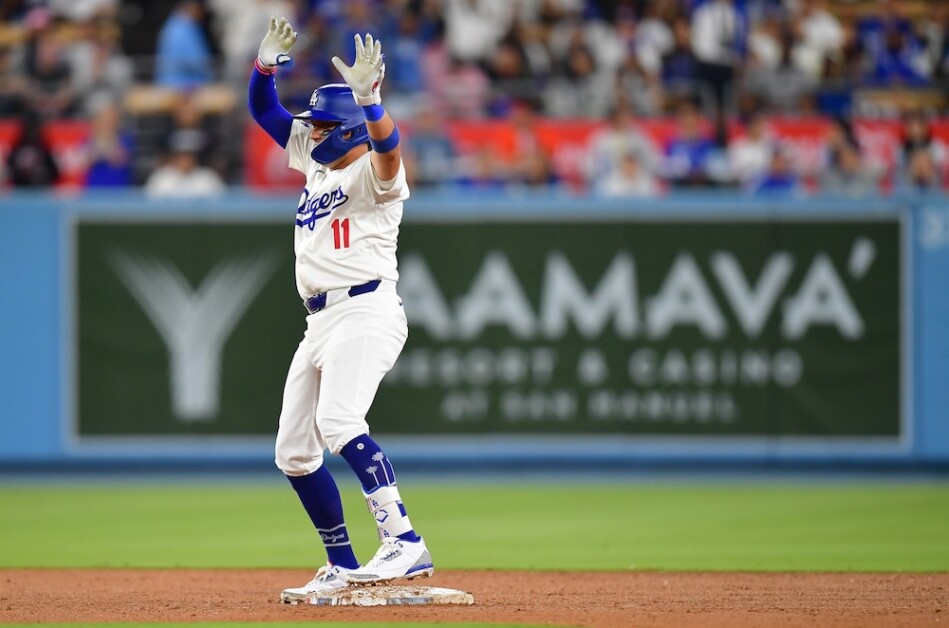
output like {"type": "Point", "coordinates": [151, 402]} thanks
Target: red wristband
{"type": "Point", "coordinates": [264, 69]}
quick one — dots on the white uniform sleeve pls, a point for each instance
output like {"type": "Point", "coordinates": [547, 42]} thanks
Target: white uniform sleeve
{"type": "Point", "coordinates": [385, 192]}
{"type": "Point", "coordinates": [298, 146]}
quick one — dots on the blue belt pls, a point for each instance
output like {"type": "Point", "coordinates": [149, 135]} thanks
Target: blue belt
{"type": "Point", "coordinates": [318, 301]}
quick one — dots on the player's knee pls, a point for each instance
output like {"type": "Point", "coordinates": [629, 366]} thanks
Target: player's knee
{"type": "Point", "coordinates": [336, 441]}
{"type": "Point", "coordinates": [293, 463]}
{"type": "Point", "coordinates": [337, 429]}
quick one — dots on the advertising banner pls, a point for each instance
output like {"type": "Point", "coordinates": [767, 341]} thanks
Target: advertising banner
{"type": "Point", "coordinates": [750, 327]}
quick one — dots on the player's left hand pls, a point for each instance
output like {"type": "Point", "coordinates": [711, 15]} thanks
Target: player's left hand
{"type": "Point", "coordinates": [366, 74]}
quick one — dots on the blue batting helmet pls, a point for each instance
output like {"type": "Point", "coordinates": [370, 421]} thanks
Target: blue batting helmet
{"type": "Point", "coordinates": [334, 103]}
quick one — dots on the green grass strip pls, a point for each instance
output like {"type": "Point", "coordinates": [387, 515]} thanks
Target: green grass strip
{"type": "Point", "coordinates": [758, 527]}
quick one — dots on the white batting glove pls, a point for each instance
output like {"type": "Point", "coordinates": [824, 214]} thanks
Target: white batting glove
{"type": "Point", "coordinates": [277, 43]}
{"type": "Point", "coordinates": [366, 74]}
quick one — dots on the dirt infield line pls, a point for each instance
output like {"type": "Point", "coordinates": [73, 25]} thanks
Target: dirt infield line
{"type": "Point", "coordinates": [595, 599]}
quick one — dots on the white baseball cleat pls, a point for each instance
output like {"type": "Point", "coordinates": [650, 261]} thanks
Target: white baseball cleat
{"type": "Point", "coordinates": [395, 558]}
{"type": "Point", "coordinates": [329, 578]}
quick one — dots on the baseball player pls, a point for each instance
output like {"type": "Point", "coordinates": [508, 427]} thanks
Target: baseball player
{"type": "Point", "coordinates": [345, 233]}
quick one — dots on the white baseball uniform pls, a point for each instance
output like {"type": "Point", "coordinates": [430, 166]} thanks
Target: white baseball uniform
{"type": "Point", "coordinates": [347, 227]}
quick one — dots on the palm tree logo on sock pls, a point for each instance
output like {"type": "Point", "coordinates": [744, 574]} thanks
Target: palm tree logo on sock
{"type": "Point", "coordinates": [379, 457]}
{"type": "Point", "coordinates": [373, 470]}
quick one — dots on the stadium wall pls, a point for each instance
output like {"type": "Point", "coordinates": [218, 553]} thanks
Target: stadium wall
{"type": "Point", "coordinates": [692, 329]}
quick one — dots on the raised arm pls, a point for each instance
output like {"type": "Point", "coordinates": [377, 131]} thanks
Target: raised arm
{"type": "Point", "coordinates": [262, 92]}
{"type": "Point", "coordinates": [365, 77]}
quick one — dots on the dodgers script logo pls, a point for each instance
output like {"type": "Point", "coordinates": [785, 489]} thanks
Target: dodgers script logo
{"type": "Point", "coordinates": [310, 209]}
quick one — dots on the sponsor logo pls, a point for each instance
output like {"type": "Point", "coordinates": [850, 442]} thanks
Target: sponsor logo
{"type": "Point", "coordinates": [690, 338]}
{"type": "Point", "coordinates": [194, 323]}
{"type": "Point", "coordinates": [685, 298]}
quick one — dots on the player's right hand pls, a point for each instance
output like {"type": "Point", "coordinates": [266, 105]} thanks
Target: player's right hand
{"type": "Point", "coordinates": [277, 43]}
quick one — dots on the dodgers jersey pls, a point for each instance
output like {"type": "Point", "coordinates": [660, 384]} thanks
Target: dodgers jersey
{"type": "Point", "coordinates": [347, 223]}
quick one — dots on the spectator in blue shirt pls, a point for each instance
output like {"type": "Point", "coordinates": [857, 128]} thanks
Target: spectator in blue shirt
{"type": "Point", "coordinates": [110, 150]}
{"type": "Point", "coordinates": [183, 56]}
{"type": "Point", "coordinates": [405, 75]}
{"type": "Point", "coordinates": [779, 179]}
{"type": "Point", "coordinates": [894, 62]}
{"type": "Point", "coordinates": [679, 65]}
{"type": "Point", "coordinates": [431, 150]}
{"type": "Point", "coordinates": [689, 152]}
{"type": "Point", "coordinates": [872, 27]}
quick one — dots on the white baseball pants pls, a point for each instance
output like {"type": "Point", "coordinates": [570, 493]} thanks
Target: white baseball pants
{"type": "Point", "coordinates": [334, 376]}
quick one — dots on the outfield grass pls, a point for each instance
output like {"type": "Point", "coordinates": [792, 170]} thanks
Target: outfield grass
{"type": "Point", "coordinates": [806, 527]}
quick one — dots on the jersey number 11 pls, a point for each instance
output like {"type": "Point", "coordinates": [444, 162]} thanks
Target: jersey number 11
{"type": "Point", "coordinates": [341, 233]}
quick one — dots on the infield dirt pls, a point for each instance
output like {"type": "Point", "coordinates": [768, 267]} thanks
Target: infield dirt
{"type": "Point", "coordinates": [594, 599]}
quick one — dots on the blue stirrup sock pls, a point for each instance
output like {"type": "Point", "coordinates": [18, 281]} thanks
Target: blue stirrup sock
{"type": "Point", "coordinates": [377, 477]}
{"type": "Point", "coordinates": [320, 498]}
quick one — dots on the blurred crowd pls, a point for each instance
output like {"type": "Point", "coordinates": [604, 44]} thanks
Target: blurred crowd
{"type": "Point", "coordinates": [669, 93]}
